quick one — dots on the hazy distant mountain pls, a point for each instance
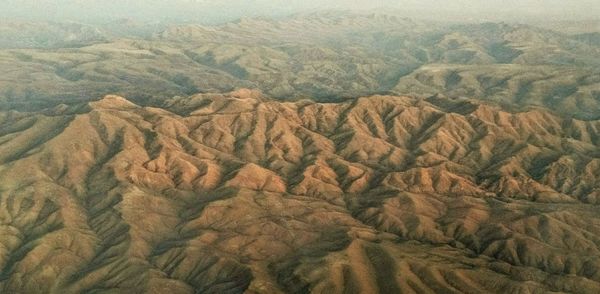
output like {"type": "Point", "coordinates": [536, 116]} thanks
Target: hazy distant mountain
{"type": "Point", "coordinates": [211, 11]}
{"type": "Point", "coordinates": [592, 39]}
{"type": "Point", "coordinates": [14, 35]}
{"type": "Point", "coordinates": [572, 27]}
{"type": "Point", "coordinates": [322, 56]}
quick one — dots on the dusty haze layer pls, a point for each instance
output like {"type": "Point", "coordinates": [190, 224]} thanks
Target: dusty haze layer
{"type": "Point", "coordinates": [222, 11]}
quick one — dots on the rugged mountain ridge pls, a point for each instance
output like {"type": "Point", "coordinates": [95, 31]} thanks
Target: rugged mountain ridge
{"type": "Point", "coordinates": [226, 193]}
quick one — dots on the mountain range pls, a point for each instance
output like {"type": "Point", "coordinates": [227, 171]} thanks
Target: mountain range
{"type": "Point", "coordinates": [237, 192]}
{"type": "Point", "coordinates": [318, 153]}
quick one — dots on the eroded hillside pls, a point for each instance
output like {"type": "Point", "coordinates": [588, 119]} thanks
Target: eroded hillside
{"type": "Point", "coordinates": [231, 193]}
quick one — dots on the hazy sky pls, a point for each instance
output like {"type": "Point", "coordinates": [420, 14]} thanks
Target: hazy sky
{"type": "Point", "coordinates": [223, 10]}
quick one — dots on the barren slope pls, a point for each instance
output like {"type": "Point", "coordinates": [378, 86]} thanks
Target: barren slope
{"type": "Point", "coordinates": [230, 193]}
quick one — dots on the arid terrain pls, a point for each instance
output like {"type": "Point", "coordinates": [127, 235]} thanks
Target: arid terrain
{"type": "Point", "coordinates": [228, 193]}
{"type": "Point", "coordinates": [379, 155]}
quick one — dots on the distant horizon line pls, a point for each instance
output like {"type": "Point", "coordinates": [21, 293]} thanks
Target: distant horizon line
{"type": "Point", "coordinates": [409, 14]}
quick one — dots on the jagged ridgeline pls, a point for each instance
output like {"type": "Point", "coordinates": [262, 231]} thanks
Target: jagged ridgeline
{"type": "Point", "coordinates": [232, 193]}
{"type": "Point", "coordinates": [343, 56]}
